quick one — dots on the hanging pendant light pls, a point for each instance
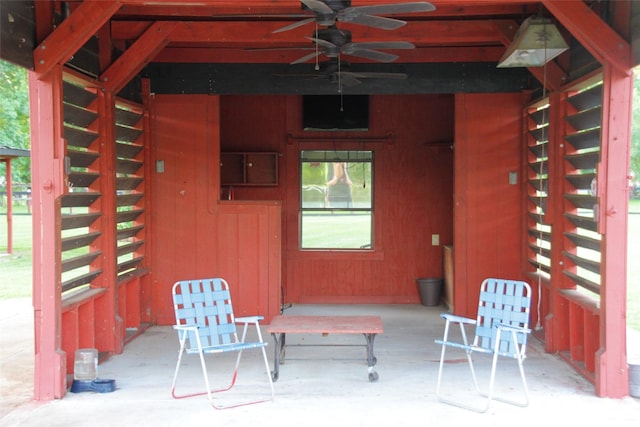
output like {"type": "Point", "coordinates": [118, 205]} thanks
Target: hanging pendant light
{"type": "Point", "coordinates": [537, 42]}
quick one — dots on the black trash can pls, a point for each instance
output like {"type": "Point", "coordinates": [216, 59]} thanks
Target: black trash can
{"type": "Point", "coordinates": [430, 290]}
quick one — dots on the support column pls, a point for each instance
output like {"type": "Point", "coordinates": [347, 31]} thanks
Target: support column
{"type": "Point", "coordinates": [612, 379]}
{"type": "Point", "coordinates": [7, 163]}
{"type": "Point", "coordinates": [110, 331]}
{"type": "Point", "coordinates": [556, 322]}
{"type": "Point", "coordinates": [48, 186]}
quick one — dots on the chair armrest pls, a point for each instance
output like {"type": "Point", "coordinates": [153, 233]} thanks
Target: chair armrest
{"type": "Point", "coordinates": [249, 319]}
{"type": "Point", "coordinates": [185, 327]}
{"type": "Point", "coordinates": [511, 328]}
{"type": "Point", "coordinates": [458, 319]}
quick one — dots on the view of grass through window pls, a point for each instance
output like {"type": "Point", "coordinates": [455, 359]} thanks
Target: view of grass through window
{"type": "Point", "coordinates": [336, 200]}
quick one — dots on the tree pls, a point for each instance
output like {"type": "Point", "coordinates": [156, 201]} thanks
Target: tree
{"type": "Point", "coordinates": [14, 118]}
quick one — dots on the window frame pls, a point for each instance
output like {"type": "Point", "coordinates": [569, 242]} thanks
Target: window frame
{"type": "Point", "coordinates": [346, 155]}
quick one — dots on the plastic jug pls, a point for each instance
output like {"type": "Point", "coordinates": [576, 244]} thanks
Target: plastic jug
{"type": "Point", "coordinates": [85, 366]}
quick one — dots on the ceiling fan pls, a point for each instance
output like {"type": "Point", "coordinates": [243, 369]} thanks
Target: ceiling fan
{"type": "Point", "coordinates": [333, 42]}
{"type": "Point", "coordinates": [327, 12]}
{"type": "Point", "coordinates": [338, 72]}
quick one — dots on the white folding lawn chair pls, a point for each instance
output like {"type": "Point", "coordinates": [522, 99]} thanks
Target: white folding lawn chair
{"type": "Point", "coordinates": [206, 325]}
{"type": "Point", "coordinates": [501, 330]}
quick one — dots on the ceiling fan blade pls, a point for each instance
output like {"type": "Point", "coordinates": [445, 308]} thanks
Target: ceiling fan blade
{"type": "Point", "coordinates": [323, 43]}
{"type": "Point", "coordinates": [373, 55]}
{"type": "Point", "coordinates": [346, 79]}
{"type": "Point", "coordinates": [381, 45]}
{"type": "Point", "coordinates": [384, 9]}
{"type": "Point", "coordinates": [267, 49]}
{"type": "Point", "coordinates": [378, 75]}
{"type": "Point", "coordinates": [317, 6]}
{"type": "Point", "coordinates": [307, 57]}
{"type": "Point", "coordinates": [294, 25]}
{"type": "Point", "coordinates": [375, 21]}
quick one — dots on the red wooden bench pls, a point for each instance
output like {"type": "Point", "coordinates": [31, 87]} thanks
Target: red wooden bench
{"type": "Point", "coordinates": [369, 326]}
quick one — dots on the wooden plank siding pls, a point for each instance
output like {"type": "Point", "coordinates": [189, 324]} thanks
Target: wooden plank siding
{"type": "Point", "coordinates": [197, 237]}
{"type": "Point", "coordinates": [413, 188]}
{"type": "Point", "coordinates": [488, 209]}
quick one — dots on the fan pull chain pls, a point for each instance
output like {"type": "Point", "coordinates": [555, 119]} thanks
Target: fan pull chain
{"type": "Point", "coordinates": [317, 49]}
{"type": "Point", "coordinates": [340, 82]}
{"type": "Point", "coordinates": [545, 136]}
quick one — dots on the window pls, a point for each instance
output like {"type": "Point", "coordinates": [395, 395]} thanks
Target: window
{"type": "Point", "coordinates": [336, 200]}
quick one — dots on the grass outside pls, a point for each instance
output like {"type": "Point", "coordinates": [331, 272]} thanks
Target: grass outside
{"type": "Point", "coordinates": [336, 230]}
{"type": "Point", "coordinates": [15, 269]}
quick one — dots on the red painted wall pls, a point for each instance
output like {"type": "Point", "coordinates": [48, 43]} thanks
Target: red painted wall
{"type": "Point", "coordinates": [196, 236]}
{"type": "Point", "coordinates": [488, 209]}
{"type": "Point", "coordinates": [412, 138]}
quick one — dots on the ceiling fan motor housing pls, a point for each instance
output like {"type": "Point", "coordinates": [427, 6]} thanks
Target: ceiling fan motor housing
{"type": "Point", "coordinates": [332, 67]}
{"type": "Point", "coordinates": [335, 5]}
{"type": "Point", "coordinates": [334, 36]}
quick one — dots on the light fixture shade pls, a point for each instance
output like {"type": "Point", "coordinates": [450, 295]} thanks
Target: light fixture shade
{"type": "Point", "coordinates": [537, 42]}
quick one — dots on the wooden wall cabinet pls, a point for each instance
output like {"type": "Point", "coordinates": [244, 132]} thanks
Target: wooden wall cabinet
{"type": "Point", "coordinates": [249, 168]}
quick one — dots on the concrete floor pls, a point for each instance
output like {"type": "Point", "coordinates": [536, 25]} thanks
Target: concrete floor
{"type": "Point", "coordinates": [317, 385]}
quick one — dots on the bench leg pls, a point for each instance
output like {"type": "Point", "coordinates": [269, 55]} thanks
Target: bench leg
{"type": "Point", "coordinates": [279, 351]}
{"type": "Point", "coordinates": [371, 359]}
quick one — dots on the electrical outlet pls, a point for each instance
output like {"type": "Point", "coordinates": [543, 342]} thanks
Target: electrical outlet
{"type": "Point", "coordinates": [435, 239]}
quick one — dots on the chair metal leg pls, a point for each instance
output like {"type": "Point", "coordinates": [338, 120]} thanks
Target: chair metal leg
{"type": "Point", "coordinates": [442, 353]}
{"type": "Point", "coordinates": [266, 365]}
{"type": "Point", "coordinates": [183, 339]}
{"type": "Point", "coordinates": [519, 358]}
{"type": "Point", "coordinates": [208, 391]}
{"type": "Point", "coordinates": [175, 373]}
{"type": "Point", "coordinates": [468, 352]}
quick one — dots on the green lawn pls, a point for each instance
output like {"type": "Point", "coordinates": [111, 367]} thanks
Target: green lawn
{"type": "Point", "coordinates": [336, 230]}
{"type": "Point", "coordinates": [15, 269]}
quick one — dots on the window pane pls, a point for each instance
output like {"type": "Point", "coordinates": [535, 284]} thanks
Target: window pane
{"type": "Point", "coordinates": [336, 199]}
{"type": "Point", "coordinates": [336, 230]}
{"type": "Point", "coordinates": [336, 185]}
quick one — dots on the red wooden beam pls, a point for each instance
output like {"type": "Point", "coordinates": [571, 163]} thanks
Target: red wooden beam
{"type": "Point", "coordinates": [43, 11]}
{"type": "Point", "coordinates": [138, 55]}
{"type": "Point", "coordinates": [244, 34]}
{"type": "Point", "coordinates": [292, 9]}
{"type": "Point", "coordinates": [592, 32]}
{"type": "Point", "coordinates": [72, 34]}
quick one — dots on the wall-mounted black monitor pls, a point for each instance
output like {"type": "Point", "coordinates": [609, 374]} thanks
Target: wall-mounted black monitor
{"type": "Point", "coordinates": [335, 112]}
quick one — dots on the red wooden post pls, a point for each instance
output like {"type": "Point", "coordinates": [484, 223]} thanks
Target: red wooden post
{"type": "Point", "coordinates": [9, 207]}
{"type": "Point", "coordinates": [556, 323]}
{"type": "Point", "coordinates": [47, 157]}
{"type": "Point", "coordinates": [611, 364]}
{"type": "Point", "coordinates": [109, 327]}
